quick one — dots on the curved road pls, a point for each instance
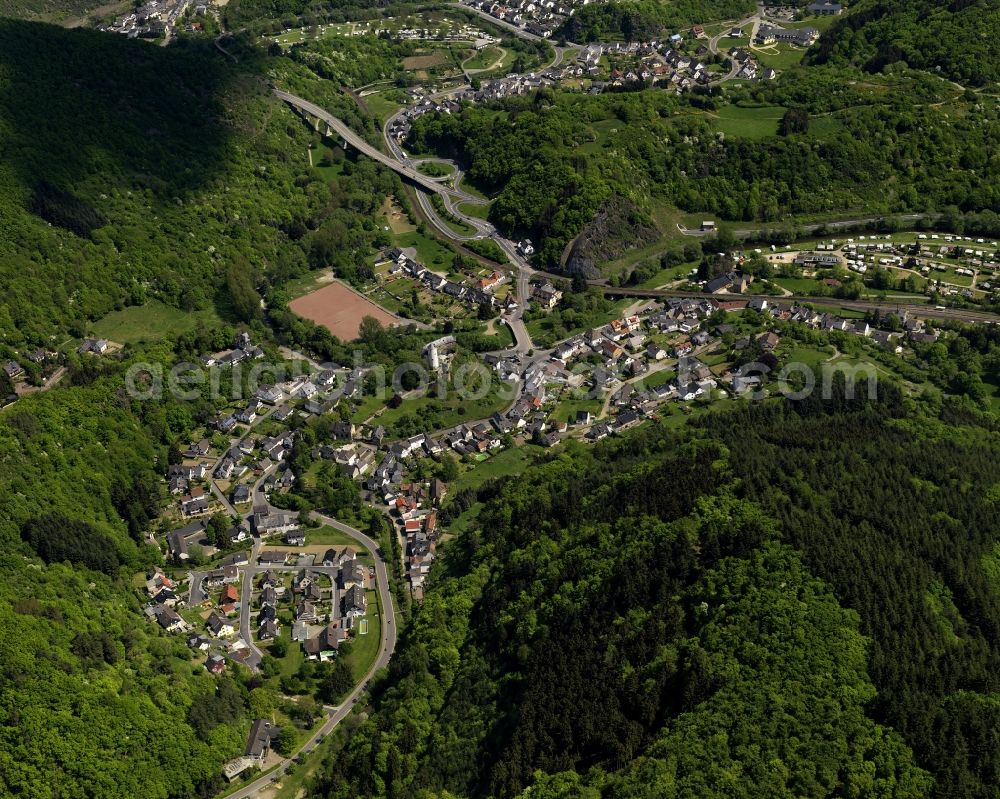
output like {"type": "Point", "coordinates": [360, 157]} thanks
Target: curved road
{"type": "Point", "coordinates": [448, 194]}
{"type": "Point", "coordinates": [359, 144]}
{"type": "Point", "coordinates": [522, 339]}
{"type": "Point", "coordinates": [514, 320]}
{"type": "Point", "coordinates": [811, 227]}
{"type": "Point", "coordinates": [397, 161]}
{"type": "Point", "coordinates": [713, 43]}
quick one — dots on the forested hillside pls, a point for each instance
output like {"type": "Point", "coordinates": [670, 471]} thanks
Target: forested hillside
{"type": "Point", "coordinates": [953, 38]}
{"type": "Point", "coordinates": [94, 700]}
{"type": "Point", "coordinates": [50, 10]}
{"type": "Point", "coordinates": [552, 159]}
{"type": "Point", "coordinates": [792, 599]}
{"type": "Point", "coordinates": [130, 172]}
{"type": "Point", "coordinates": [239, 13]}
{"type": "Point", "coordinates": [642, 20]}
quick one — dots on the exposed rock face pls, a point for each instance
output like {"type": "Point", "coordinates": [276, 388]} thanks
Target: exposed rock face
{"type": "Point", "coordinates": [618, 226]}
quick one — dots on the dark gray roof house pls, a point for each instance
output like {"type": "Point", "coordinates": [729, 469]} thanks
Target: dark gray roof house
{"type": "Point", "coordinates": [268, 630]}
{"type": "Point", "coordinates": [259, 741]}
{"type": "Point", "coordinates": [178, 540]}
{"type": "Point", "coordinates": [355, 601]}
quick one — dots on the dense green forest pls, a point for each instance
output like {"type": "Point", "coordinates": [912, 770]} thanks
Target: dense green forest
{"type": "Point", "coordinates": [266, 14]}
{"type": "Point", "coordinates": [130, 172]}
{"type": "Point", "coordinates": [642, 20]}
{"type": "Point", "coordinates": [355, 61]}
{"type": "Point", "coordinates": [950, 37]}
{"type": "Point", "coordinates": [790, 599]}
{"type": "Point", "coordinates": [553, 158]}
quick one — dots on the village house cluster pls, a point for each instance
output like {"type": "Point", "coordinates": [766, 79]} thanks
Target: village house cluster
{"type": "Point", "coordinates": [423, 102]}
{"type": "Point", "coordinates": [156, 19]}
{"type": "Point", "coordinates": [672, 334]}
{"type": "Point", "coordinates": [323, 599]}
{"type": "Point", "coordinates": [653, 63]}
{"type": "Point", "coordinates": [163, 600]}
{"type": "Point", "coordinates": [627, 355]}
{"type": "Point", "coordinates": [477, 294]}
{"type": "Point", "coordinates": [746, 65]}
{"type": "Point", "coordinates": [326, 595]}
{"type": "Point", "coordinates": [414, 507]}
{"type": "Point", "coordinates": [251, 456]}
{"type": "Point", "coordinates": [538, 17]}
{"type": "Point", "coordinates": [618, 365]}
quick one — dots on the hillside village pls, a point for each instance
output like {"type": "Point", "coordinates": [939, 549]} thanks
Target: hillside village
{"type": "Point", "coordinates": [540, 19]}
{"type": "Point", "coordinates": [680, 350]}
{"type": "Point", "coordinates": [614, 66]}
{"type": "Point", "coordinates": [253, 583]}
{"type": "Point", "coordinates": [160, 19]}
{"type": "Point", "coordinates": [310, 573]}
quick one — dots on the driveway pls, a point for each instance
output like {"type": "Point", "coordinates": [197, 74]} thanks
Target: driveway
{"type": "Point", "coordinates": [196, 592]}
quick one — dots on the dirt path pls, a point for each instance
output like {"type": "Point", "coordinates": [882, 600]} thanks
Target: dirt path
{"type": "Point", "coordinates": [636, 307]}
{"type": "Point", "coordinates": [495, 65]}
{"type": "Point", "coordinates": [398, 221]}
{"type": "Point", "coordinates": [24, 389]}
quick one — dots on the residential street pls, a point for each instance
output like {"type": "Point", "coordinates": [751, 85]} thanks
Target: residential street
{"type": "Point", "coordinates": [216, 491]}
{"type": "Point", "coordinates": [247, 574]}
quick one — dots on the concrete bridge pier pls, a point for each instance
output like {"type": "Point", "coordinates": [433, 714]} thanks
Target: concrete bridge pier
{"type": "Point", "coordinates": [309, 119]}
